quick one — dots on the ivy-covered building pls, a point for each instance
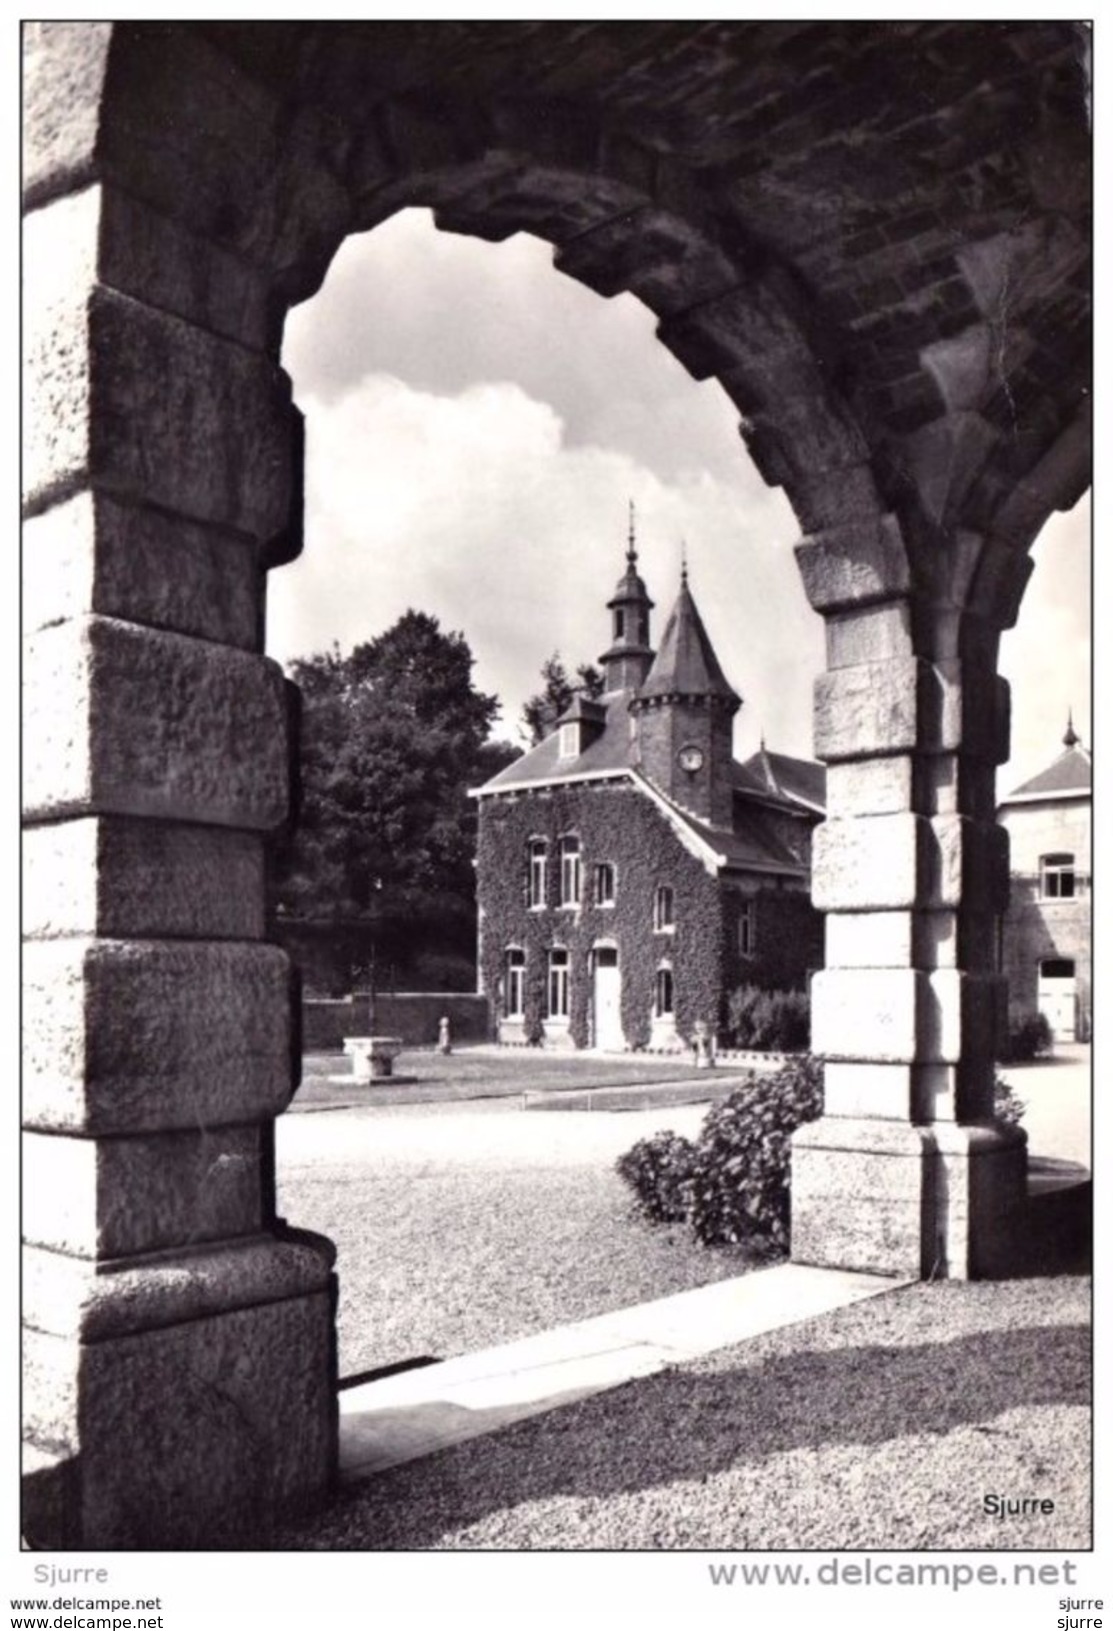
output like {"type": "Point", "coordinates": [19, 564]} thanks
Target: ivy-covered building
{"type": "Point", "coordinates": [631, 871]}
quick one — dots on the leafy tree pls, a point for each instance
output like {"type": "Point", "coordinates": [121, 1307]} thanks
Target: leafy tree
{"type": "Point", "coordinates": [392, 737]}
{"type": "Point", "coordinates": [542, 710]}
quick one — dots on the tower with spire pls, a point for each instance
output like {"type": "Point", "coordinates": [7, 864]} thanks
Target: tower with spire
{"type": "Point", "coordinates": [627, 660]}
{"type": "Point", "coordinates": [630, 872]}
{"type": "Point", "coordinates": [683, 714]}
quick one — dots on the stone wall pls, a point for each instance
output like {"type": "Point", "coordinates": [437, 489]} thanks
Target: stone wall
{"type": "Point", "coordinates": [413, 1015]}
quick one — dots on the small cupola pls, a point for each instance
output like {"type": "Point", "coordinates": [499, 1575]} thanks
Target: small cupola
{"type": "Point", "coordinates": [630, 655]}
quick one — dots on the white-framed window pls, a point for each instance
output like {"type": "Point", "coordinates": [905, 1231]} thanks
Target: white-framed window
{"type": "Point", "coordinates": [746, 929]}
{"type": "Point", "coordinates": [515, 983]}
{"type": "Point", "coordinates": [537, 888]}
{"type": "Point", "coordinates": [663, 919]}
{"type": "Point", "coordinates": [569, 740]}
{"type": "Point", "coordinates": [604, 884]}
{"type": "Point", "coordinates": [662, 991]}
{"type": "Point", "coordinates": [558, 983]}
{"type": "Point", "coordinates": [1057, 877]}
{"type": "Point", "coordinates": [569, 871]}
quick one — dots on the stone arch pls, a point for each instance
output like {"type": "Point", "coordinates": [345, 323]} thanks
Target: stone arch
{"type": "Point", "coordinates": [841, 257]}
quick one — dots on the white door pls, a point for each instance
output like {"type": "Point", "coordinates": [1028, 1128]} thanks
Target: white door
{"type": "Point", "coordinates": [1056, 998]}
{"type": "Point", "coordinates": [608, 1000]}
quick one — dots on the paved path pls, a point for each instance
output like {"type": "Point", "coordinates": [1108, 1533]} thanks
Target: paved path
{"type": "Point", "coordinates": [419, 1412]}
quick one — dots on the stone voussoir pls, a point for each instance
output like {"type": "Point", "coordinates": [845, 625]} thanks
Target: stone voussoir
{"type": "Point", "coordinates": [854, 565]}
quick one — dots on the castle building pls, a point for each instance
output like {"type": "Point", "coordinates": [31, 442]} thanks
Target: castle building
{"type": "Point", "coordinates": [631, 871]}
{"type": "Point", "coordinates": [1046, 933]}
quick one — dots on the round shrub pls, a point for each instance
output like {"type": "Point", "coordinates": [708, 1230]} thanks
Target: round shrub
{"type": "Point", "coordinates": [1007, 1108]}
{"type": "Point", "coordinates": [659, 1171]}
{"type": "Point", "coordinates": [1029, 1036]}
{"type": "Point", "coordinates": [740, 1186]}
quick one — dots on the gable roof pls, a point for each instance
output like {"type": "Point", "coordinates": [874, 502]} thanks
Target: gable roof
{"type": "Point", "coordinates": [1069, 776]}
{"type": "Point", "coordinates": [799, 781]}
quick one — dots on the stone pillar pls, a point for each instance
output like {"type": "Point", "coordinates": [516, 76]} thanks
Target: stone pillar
{"type": "Point", "coordinates": [179, 1384]}
{"type": "Point", "coordinates": [906, 1172]}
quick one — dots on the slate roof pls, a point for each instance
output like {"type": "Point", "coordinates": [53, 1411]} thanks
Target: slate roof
{"type": "Point", "coordinates": [751, 843]}
{"type": "Point", "coordinates": [802, 781]}
{"type": "Point", "coordinates": [1071, 773]}
{"type": "Point", "coordinates": [609, 752]}
{"type": "Point", "coordinates": [686, 664]}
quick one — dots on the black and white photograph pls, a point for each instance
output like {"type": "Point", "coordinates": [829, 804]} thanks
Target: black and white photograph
{"type": "Point", "coordinates": [557, 742]}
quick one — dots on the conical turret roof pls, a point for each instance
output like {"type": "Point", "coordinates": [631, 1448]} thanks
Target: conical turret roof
{"type": "Point", "coordinates": [686, 664]}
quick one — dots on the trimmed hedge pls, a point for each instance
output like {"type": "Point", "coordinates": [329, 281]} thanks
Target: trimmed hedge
{"type": "Point", "coordinates": [769, 1021]}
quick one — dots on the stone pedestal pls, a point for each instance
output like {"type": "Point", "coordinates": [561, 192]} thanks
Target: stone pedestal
{"type": "Point", "coordinates": [372, 1057]}
{"type": "Point", "coordinates": [886, 1197]}
{"type": "Point", "coordinates": [212, 1377]}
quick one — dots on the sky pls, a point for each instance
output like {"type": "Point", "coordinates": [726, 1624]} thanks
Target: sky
{"type": "Point", "coordinates": [477, 424]}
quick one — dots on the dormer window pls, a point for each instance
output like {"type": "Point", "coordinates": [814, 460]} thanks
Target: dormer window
{"type": "Point", "coordinates": [570, 741]}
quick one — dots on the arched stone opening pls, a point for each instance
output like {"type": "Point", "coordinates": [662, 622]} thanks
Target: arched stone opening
{"type": "Point", "coordinates": [184, 185]}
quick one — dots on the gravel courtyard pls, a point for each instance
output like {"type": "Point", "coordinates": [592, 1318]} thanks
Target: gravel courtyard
{"type": "Point", "coordinates": [462, 1225]}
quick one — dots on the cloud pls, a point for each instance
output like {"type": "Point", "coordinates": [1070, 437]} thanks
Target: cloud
{"type": "Point", "coordinates": [476, 424]}
{"type": "Point", "coordinates": [475, 508]}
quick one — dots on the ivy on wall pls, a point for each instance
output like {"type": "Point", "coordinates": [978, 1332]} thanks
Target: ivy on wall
{"type": "Point", "coordinates": [617, 824]}
{"type": "Point", "coordinates": [787, 938]}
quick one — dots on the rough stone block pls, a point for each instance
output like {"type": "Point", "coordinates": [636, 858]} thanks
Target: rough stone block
{"type": "Point", "coordinates": [64, 73]}
{"type": "Point", "coordinates": [867, 1014]}
{"type": "Point", "coordinates": [869, 709]}
{"type": "Point", "coordinates": [869, 940]}
{"type": "Point", "coordinates": [196, 1435]}
{"type": "Point", "coordinates": [122, 878]}
{"type": "Point", "coordinates": [870, 634]}
{"type": "Point", "coordinates": [154, 259]}
{"type": "Point", "coordinates": [115, 1197]}
{"type": "Point", "coordinates": [870, 863]}
{"type": "Point", "coordinates": [858, 1195]}
{"type": "Point", "coordinates": [93, 554]}
{"type": "Point", "coordinates": [128, 720]}
{"type": "Point", "coordinates": [146, 1036]}
{"type": "Point", "coordinates": [860, 1090]}
{"type": "Point", "coordinates": [970, 864]}
{"type": "Point", "coordinates": [871, 786]}
{"type": "Point", "coordinates": [854, 565]}
{"type": "Point", "coordinates": [980, 1176]}
{"type": "Point", "coordinates": [140, 403]}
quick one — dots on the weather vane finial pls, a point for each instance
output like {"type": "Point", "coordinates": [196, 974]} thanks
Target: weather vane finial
{"type": "Point", "coordinates": [631, 547]}
{"type": "Point", "coordinates": [683, 564]}
{"type": "Point", "coordinates": [1070, 740]}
